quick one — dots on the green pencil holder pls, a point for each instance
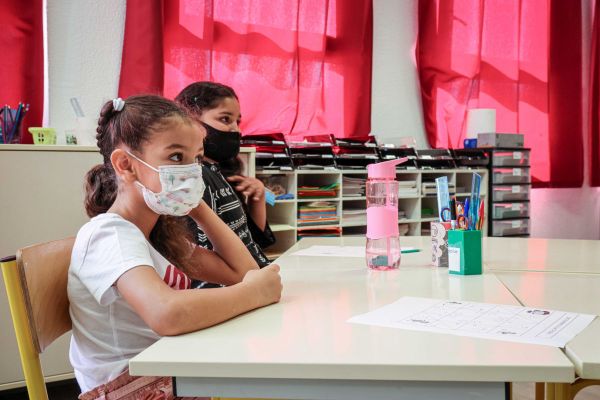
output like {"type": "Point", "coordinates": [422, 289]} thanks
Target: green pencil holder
{"type": "Point", "coordinates": [464, 252]}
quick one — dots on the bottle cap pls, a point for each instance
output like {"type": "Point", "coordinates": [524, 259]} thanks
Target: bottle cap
{"type": "Point", "coordinates": [384, 170]}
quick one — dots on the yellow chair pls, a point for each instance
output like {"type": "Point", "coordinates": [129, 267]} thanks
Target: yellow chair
{"type": "Point", "coordinates": [36, 285]}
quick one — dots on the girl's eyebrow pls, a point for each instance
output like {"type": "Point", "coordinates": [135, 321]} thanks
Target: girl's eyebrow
{"type": "Point", "coordinates": [175, 146]}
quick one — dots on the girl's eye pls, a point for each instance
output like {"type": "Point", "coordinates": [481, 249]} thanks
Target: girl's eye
{"type": "Point", "coordinates": [225, 120]}
{"type": "Point", "coordinates": [177, 157]}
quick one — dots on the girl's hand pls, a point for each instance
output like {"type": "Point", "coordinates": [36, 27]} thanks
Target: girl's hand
{"type": "Point", "coordinates": [252, 188]}
{"type": "Point", "coordinates": [266, 283]}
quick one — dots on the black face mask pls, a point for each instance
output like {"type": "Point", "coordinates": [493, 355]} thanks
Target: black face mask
{"type": "Point", "coordinates": [221, 145]}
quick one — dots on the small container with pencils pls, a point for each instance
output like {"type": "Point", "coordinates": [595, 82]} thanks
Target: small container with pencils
{"type": "Point", "coordinates": [465, 237]}
{"type": "Point", "coordinates": [11, 123]}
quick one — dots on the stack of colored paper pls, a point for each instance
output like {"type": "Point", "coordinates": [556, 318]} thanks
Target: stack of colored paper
{"type": "Point", "coordinates": [305, 192]}
{"type": "Point", "coordinates": [317, 213]}
{"type": "Point", "coordinates": [319, 232]}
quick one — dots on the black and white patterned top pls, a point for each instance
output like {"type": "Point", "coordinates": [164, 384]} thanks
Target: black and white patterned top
{"type": "Point", "coordinates": [224, 201]}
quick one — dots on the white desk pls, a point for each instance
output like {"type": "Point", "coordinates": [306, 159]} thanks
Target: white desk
{"type": "Point", "coordinates": [304, 348]}
{"type": "Point", "coordinates": [567, 292]}
{"type": "Point", "coordinates": [543, 255]}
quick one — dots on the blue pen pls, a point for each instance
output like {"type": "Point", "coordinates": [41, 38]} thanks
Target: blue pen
{"type": "Point", "coordinates": [475, 199]}
{"type": "Point", "coordinates": [467, 215]}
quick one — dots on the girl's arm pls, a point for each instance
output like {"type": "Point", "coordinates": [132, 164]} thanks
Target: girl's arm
{"type": "Point", "coordinates": [232, 259]}
{"type": "Point", "coordinates": [172, 312]}
{"type": "Point", "coordinates": [254, 190]}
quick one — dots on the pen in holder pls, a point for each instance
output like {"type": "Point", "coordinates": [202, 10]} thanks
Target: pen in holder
{"type": "Point", "coordinates": [464, 252]}
{"type": "Point", "coordinates": [439, 244]}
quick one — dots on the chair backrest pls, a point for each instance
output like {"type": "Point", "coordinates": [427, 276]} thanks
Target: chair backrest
{"type": "Point", "coordinates": [36, 287]}
{"type": "Point", "coordinates": [43, 271]}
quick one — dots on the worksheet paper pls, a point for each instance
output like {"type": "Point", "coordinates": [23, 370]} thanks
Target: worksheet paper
{"type": "Point", "coordinates": [481, 320]}
{"type": "Point", "coordinates": [339, 251]}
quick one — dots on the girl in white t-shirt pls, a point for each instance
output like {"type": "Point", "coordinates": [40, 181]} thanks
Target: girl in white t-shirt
{"type": "Point", "coordinates": [133, 261]}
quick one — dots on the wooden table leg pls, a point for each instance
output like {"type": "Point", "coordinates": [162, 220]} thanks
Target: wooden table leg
{"type": "Point", "coordinates": [540, 391]}
{"type": "Point", "coordinates": [550, 393]}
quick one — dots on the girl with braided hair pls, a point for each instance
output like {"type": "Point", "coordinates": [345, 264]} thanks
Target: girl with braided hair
{"type": "Point", "coordinates": [133, 262]}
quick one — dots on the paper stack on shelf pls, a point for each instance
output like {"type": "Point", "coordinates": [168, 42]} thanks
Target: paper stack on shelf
{"type": "Point", "coordinates": [317, 213]}
{"type": "Point", "coordinates": [354, 215]}
{"type": "Point", "coordinates": [355, 153]}
{"type": "Point", "coordinates": [407, 188]}
{"type": "Point", "coordinates": [271, 151]}
{"type": "Point", "coordinates": [430, 189]}
{"type": "Point", "coordinates": [353, 187]}
{"type": "Point", "coordinates": [311, 192]}
{"type": "Point", "coordinates": [314, 152]}
{"type": "Point", "coordinates": [435, 158]}
{"type": "Point", "coordinates": [319, 232]}
{"type": "Point", "coordinates": [392, 152]}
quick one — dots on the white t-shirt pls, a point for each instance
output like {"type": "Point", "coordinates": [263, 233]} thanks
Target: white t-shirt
{"type": "Point", "coordinates": [106, 330]}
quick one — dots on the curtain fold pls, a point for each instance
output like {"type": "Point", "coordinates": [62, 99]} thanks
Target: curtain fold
{"type": "Point", "coordinates": [299, 66]}
{"type": "Point", "coordinates": [522, 58]}
{"type": "Point", "coordinates": [594, 100]}
{"type": "Point", "coordinates": [22, 64]}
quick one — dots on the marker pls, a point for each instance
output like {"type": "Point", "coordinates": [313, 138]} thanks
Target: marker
{"type": "Point", "coordinates": [453, 213]}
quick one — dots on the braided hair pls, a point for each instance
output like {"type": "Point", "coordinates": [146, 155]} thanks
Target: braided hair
{"type": "Point", "coordinates": [141, 117]}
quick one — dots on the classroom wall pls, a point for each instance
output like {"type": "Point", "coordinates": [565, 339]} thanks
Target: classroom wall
{"type": "Point", "coordinates": [555, 213]}
{"type": "Point", "coordinates": [396, 108]}
{"type": "Point", "coordinates": [85, 38]}
{"type": "Point", "coordinates": [84, 54]}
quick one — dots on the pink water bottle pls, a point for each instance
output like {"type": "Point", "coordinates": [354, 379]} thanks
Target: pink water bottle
{"type": "Point", "coordinates": [383, 238]}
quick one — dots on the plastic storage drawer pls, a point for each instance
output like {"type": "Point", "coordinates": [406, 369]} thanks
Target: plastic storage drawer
{"type": "Point", "coordinates": [510, 193]}
{"type": "Point", "coordinates": [512, 158]}
{"type": "Point", "coordinates": [510, 210]}
{"type": "Point", "coordinates": [509, 228]}
{"type": "Point", "coordinates": [511, 175]}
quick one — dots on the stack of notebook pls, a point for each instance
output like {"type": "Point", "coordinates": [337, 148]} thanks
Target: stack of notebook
{"type": "Point", "coordinates": [317, 213]}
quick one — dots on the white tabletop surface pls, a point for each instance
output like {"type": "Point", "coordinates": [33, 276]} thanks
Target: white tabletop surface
{"type": "Point", "coordinates": [526, 254]}
{"type": "Point", "coordinates": [307, 334]}
{"type": "Point", "coordinates": [566, 292]}
{"type": "Point", "coordinates": [544, 255]}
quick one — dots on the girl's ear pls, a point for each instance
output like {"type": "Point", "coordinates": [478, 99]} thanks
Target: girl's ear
{"type": "Point", "coordinates": [123, 166]}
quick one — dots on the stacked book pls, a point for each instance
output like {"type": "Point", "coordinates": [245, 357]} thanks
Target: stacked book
{"type": "Point", "coordinates": [353, 187]}
{"type": "Point", "coordinates": [317, 213]}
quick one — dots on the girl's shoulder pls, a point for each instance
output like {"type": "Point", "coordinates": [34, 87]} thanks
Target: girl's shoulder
{"type": "Point", "coordinates": [105, 232]}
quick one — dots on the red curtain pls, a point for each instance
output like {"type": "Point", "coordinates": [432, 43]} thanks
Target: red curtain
{"type": "Point", "coordinates": [521, 57]}
{"type": "Point", "coordinates": [594, 100]}
{"type": "Point", "coordinates": [22, 61]}
{"type": "Point", "coordinates": [299, 66]}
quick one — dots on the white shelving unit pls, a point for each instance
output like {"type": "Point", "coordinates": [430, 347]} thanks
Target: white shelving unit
{"type": "Point", "coordinates": [283, 216]}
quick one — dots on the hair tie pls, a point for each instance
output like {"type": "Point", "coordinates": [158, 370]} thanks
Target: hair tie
{"type": "Point", "coordinates": [118, 104]}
